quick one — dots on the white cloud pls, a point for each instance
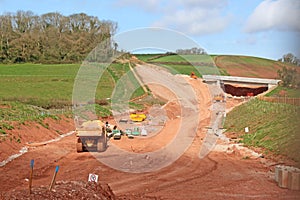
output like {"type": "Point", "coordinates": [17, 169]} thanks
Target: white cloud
{"type": "Point", "coordinates": [202, 3]}
{"type": "Point", "coordinates": [195, 21]}
{"type": "Point", "coordinates": [195, 17]}
{"type": "Point", "coordinates": [147, 5]}
{"type": "Point", "coordinates": [283, 15]}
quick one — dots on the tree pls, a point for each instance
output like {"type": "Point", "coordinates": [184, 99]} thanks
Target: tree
{"type": "Point", "coordinates": [52, 37]}
{"type": "Point", "coordinates": [290, 58]}
{"type": "Point", "coordinates": [192, 51]}
{"type": "Point", "coordinates": [289, 77]}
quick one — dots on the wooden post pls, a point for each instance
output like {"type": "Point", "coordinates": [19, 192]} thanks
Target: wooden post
{"type": "Point", "coordinates": [31, 175]}
{"type": "Point", "coordinates": [53, 179]}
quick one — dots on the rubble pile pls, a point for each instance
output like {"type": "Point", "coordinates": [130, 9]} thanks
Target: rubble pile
{"type": "Point", "coordinates": [64, 190]}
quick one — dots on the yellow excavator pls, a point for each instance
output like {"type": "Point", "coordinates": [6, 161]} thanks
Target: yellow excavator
{"type": "Point", "coordinates": [219, 98]}
{"type": "Point", "coordinates": [137, 117]}
{"type": "Point", "coordinates": [193, 75]}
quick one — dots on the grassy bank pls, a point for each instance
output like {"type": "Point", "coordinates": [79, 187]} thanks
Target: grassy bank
{"type": "Point", "coordinates": [273, 127]}
{"type": "Point", "coordinates": [184, 64]}
{"type": "Point", "coordinates": [289, 92]}
{"type": "Point", "coordinates": [33, 92]}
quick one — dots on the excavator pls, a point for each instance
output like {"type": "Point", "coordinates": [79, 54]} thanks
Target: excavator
{"type": "Point", "coordinates": [136, 117]}
{"type": "Point", "coordinates": [193, 75]}
{"type": "Point", "coordinates": [219, 98]}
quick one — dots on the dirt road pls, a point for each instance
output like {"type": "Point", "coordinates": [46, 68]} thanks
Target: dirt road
{"type": "Point", "coordinates": [219, 175]}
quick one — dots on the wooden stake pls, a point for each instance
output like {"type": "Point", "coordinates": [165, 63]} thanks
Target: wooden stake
{"type": "Point", "coordinates": [53, 179]}
{"type": "Point", "coordinates": [31, 174]}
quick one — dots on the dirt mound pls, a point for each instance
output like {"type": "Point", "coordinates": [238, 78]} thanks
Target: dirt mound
{"type": "Point", "coordinates": [32, 132]}
{"type": "Point", "coordinates": [65, 190]}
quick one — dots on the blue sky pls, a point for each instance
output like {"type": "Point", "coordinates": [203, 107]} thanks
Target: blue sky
{"type": "Point", "coordinates": [262, 28]}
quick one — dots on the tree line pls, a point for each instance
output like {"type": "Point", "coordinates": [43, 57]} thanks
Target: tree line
{"type": "Point", "coordinates": [51, 37]}
{"type": "Point", "coordinates": [290, 77]}
{"type": "Point", "coordinates": [290, 58]}
{"type": "Point", "coordinates": [191, 51]}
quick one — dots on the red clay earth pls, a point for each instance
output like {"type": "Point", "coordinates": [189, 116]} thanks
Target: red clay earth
{"type": "Point", "coordinates": [219, 175]}
{"type": "Point", "coordinates": [64, 190]}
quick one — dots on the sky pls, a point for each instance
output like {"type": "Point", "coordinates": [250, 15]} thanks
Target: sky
{"type": "Point", "coordinates": [261, 28]}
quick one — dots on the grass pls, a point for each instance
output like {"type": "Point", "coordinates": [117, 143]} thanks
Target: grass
{"type": "Point", "coordinates": [248, 66]}
{"type": "Point", "coordinates": [290, 92]}
{"type": "Point", "coordinates": [184, 58]}
{"type": "Point", "coordinates": [179, 64]}
{"type": "Point", "coordinates": [273, 127]}
{"type": "Point", "coordinates": [31, 92]}
{"type": "Point", "coordinates": [16, 111]}
{"type": "Point", "coordinates": [37, 84]}
{"type": "Point", "coordinates": [181, 69]}
{"type": "Point", "coordinates": [145, 57]}
{"type": "Point", "coordinates": [50, 86]}
{"type": "Point", "coordinates": [255, 61]}
{"type": "Point", "coordinates": [187, 69]}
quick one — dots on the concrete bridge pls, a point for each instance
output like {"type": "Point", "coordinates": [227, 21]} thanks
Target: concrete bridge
{"type": "Point", "coordinates": [270, 83]}
{"type": "Point", "coordinates": [242, 86]}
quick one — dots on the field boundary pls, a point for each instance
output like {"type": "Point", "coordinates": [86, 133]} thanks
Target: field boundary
{"type": "Point", "coordinates": [284, 100]}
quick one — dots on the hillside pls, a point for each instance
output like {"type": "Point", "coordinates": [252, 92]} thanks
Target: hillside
{"type": "Point", "coordinates": [273, 127]}
{"type": "Point", "coordinates": [247, 66]}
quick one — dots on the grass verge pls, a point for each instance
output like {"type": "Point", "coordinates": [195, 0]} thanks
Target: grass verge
{"type": "Point", "coordinates": [273, 127]}
{"type": "Point", "coordinates": [289, 92]}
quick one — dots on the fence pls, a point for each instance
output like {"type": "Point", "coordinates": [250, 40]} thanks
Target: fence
{"type": "Point", "coordinates": [285, 100]}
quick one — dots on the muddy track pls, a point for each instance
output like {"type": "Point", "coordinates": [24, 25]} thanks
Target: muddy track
{"type": "Point", "coordinates": [189, 174]}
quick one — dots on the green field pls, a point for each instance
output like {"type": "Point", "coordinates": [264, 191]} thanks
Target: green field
{"type": "Point", "coordinates": [37, 84]}
{"type": "Point", "coordinates": [145, 57]}
{"type": "Point", "coordinates": [290, 92]}
{"type": "Point", "coordinates": [184, 64]}
{"type": "Point", "coordinates": [181, 69]}
{"type": "Point", "coordinates": [32, 92]}
{"type": "Point", "coordinates": [52, 85]}
{"type": "Point", "coordinates": [273, 127]}
{"type": "Point", "coordinates": [184, 58]}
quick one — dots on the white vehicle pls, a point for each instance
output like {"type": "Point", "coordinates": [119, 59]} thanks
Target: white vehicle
{"type": "Point", "coordinates": [128, 132]}
{"type": "Point", "coordinates": [144, 132]}
{"type": "Point", "coordinates": [116, 134]}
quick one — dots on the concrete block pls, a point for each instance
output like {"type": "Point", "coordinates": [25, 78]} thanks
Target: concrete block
{"type": "Point", "coordinates": [287, 177]}
{"type": "Point", "coordinates": [277, 168]}
{"type": "Point", "coordinates": [294, 180]}
{"type": "Point", "coordinates": [283, 177]}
